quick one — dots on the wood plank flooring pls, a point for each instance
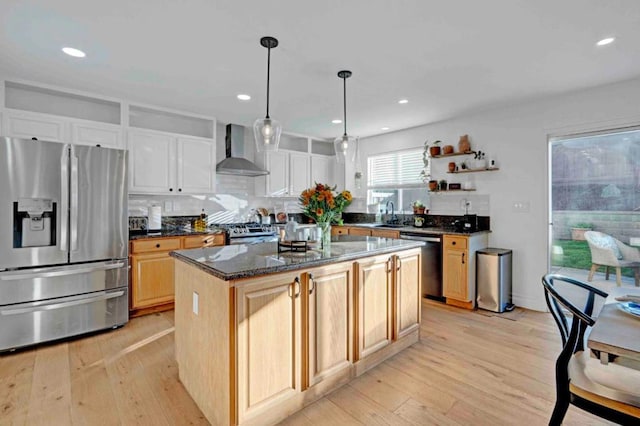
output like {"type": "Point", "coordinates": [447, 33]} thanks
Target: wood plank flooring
{"type": "Point", "coordinates": [470, 368]}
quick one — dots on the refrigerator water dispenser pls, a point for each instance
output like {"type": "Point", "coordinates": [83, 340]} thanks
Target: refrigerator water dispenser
{"type": "Point", "coordinates": [32, 223]}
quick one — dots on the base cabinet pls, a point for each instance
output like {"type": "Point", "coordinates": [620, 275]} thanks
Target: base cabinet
{"type": "Point", "coordinates": [375, 304]}
{"type": "Point", "coordinates": [330, 321]}
{"type": "Point", "coordinates": [152, 270]}
{"type": "Point", "coordinates": [459, 268]}
{"type": "Point", "coordinates": [408, 292]}
{"type": "Point", "coordinates": [269, 324]}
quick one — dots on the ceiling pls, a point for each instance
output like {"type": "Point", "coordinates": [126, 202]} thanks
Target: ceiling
{"type": "Point", "coordinates": [446, 57]}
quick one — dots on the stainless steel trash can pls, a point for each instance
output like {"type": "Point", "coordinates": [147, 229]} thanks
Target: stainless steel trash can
{"type": "Point", "coordinates": [493, 279]}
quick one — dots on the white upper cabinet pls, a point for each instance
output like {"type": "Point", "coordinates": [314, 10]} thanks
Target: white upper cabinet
{"type": "Point", "coordinates": [20, 124]}
{"type": "Point", "coordinates": [297, 164]}
{"type": "Point", "coordinates": [322, 170]}
{"type": "Point", "coordinates": [162, 163]}
{"type": "Point", "coordinates": [196, 165]}
{"type": "Point", "coordinates": [151, 162]}
{"type": "Point", "coordinates": [276, 183]}
{"type": "Point", "coordinates": [299, 171]}
{"type": "Point", "coordinates": [106, 135]}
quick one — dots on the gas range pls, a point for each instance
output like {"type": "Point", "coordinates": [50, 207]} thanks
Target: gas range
{"type": "Point", "coordinates": [249, 233]}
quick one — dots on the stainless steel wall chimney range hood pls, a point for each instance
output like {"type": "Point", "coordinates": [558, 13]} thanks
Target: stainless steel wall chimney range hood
{"type": "Point", "coordinates": [235, 163]}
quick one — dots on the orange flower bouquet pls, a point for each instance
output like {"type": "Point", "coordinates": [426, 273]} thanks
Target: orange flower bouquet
{"type": "Point", "coordinates": [324, 206]}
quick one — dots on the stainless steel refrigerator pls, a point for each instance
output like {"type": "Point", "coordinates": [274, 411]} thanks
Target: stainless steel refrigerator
{"type": "Point", "coordinates": [63, 240]}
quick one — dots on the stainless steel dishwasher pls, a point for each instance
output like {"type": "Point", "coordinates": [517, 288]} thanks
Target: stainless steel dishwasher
{"type": "Point", "coordinates": [431, 262]}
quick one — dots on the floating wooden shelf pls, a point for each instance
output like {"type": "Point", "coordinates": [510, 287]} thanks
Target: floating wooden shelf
{"type": "Point", "coordinates": [475, 170]}
{"type": "Point", "coordinates": [454, 154]}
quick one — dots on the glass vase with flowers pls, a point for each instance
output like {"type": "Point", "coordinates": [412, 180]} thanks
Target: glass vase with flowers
{"type": "Point", "coordinates": [324, 205]}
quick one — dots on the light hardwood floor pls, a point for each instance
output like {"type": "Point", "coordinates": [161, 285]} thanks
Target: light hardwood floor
{"type": "Point", "coordinates": [470, 368]}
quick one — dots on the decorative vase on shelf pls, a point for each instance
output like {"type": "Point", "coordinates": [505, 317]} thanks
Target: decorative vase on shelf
{"type": "Point", "coordinates": [325, 234]}
{"type": "Point", "coordinates": [463, 144]}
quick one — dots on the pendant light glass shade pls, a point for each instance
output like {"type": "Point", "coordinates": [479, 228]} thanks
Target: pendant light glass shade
{"type": "Point", "coordinates": [344, 145]}
{"type": "Point", "coordinates": [267, 134]}
{"type": "Point", "coordinates": [266, 131]}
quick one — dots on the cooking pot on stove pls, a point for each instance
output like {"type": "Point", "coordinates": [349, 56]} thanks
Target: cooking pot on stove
{"type": "Point", "coordinates": [418, 221]}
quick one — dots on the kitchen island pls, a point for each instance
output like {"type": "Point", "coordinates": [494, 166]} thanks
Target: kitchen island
{"type": "Point", "coordinates": [261, 334]}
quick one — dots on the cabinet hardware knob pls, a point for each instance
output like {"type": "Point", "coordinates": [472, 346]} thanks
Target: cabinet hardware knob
{"type": "Point", "coordinates": [399, 263]}
{"type": "Point", "coordinates": [463, 258]}
{"type": "Point", "coordinates": [453, 243]}
{"type": "Point", "coordinates": [179, 189]}
{"type": "Point", "coordinates": [157, 245]}
{"type": "Point", "coordinates": [170, 189]}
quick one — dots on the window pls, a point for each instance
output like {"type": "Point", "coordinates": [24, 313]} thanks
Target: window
{"type": "Point", "coordinates": [395, 177]}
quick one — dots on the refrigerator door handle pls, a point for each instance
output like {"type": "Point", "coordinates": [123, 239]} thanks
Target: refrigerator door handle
{"type": "Point", "coordinates": [64, 199]}
{"type": "Point", "coordinates": [74, 200]}
{"type": "Point", "coordinates": [12, 276]}
{"type": "Point", "coordinates": [30, 307]}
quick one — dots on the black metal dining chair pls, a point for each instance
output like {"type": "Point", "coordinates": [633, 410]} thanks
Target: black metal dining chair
{"type": "Point", "coordinates": [609, 391]}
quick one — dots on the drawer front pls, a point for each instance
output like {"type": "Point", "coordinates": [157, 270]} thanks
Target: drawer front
{"type": "Point", "coordinates": [339, 230]}
{"type": "Point", "coordinates": [155, 244]}
{"type": "Point", "coordinates": [198, 241]}
{"type": "Point", "coordinates": [455, 242]}
{"type": "Point", "coordinates": [360, 231]}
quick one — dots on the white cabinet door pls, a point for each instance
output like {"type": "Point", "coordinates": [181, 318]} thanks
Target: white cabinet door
{"type": "Point", "coordinates": [321, 170]}
{"type": "Point", "coordinates": [196, 165]}
{"type": "Point", "coordinates": [278, 177]}
{"type": "Point", "coordinates": [298, 173]}
{"type": "Point", "coordinates": [31, 125]}
{"type": "Point", "coordinates": [106, 135]}
{"type": "Point", "coordinates": [152, 162]}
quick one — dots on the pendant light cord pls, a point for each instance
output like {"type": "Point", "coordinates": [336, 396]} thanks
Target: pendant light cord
{"type": "Point", "coordinates": [344, 80]}
{"type": "Point", "coordinates": [268, 75]}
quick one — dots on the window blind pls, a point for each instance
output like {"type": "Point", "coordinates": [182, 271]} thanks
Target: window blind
{"type": "Point", "coordinates": [395, 169]}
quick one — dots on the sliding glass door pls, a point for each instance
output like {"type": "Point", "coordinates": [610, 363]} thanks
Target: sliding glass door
{"type": "Point", "coordinates": [594, 185]}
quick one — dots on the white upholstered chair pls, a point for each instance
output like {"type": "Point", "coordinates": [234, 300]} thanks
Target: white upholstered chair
{"type": "Point", "coordinates": [608, 251]}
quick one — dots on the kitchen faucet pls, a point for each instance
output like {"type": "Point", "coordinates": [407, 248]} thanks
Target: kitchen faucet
{"type": "Point", "coordinates": [394, 218]}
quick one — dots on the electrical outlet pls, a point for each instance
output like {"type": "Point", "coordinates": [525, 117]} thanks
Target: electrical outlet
{"type": "Point", "coordinates": [521, 207]}
{"type": "Point", "coordinates": [195, 302]}
{"type": "Point", "coordinates": [168, 206]}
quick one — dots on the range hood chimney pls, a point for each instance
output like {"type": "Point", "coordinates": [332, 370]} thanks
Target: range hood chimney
{"type": "Point", "coordinates": [235, 163]}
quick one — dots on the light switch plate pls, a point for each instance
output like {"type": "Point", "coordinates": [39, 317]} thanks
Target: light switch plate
{"type": "Point", "coordinates": [195, 302]}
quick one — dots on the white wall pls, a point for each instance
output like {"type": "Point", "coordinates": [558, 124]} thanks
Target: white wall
{"type": "Point", "coordinates": [517, 137]}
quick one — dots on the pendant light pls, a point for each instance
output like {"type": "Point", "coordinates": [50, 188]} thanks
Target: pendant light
{"type": "Point", "coordinates": [267, 130]}
{"type": "Point", "coordinates": [343, 144]}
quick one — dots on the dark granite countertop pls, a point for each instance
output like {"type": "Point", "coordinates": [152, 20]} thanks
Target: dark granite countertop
{"type": "Point", "coordinates": [174, 233]}
{"type": "Point", "coordinates": [249, 260]}
{"type": "Point", "coordinates": [425, 230]}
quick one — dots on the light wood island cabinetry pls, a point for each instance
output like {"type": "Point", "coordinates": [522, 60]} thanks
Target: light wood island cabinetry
{"type": "Point", "coordinates": [255, 350]}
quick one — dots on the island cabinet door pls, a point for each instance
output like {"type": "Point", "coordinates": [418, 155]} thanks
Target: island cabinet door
{"type": "Point", "coordinates": [374, 304]}
{"type": "Point", "coordinates": [330, 319]}
{"type": "Point", "coordinates": [408, 273]}
{"type": "Point", "coordinates": [269, 343]}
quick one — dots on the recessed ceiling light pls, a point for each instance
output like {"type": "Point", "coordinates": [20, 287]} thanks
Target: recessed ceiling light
{"type": "Point", "coordinates": [76, 53]}
{"type": "Point", "coordinates": [336, 121]}
{"type": "Point", "coordinates": [606, 41]}
{"type": "Point", "coordinates": [403, 101]}
{"type": "Point", "coordinates": [244, 97]}
{"type": "Point", "coordinates": [384, 128]}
